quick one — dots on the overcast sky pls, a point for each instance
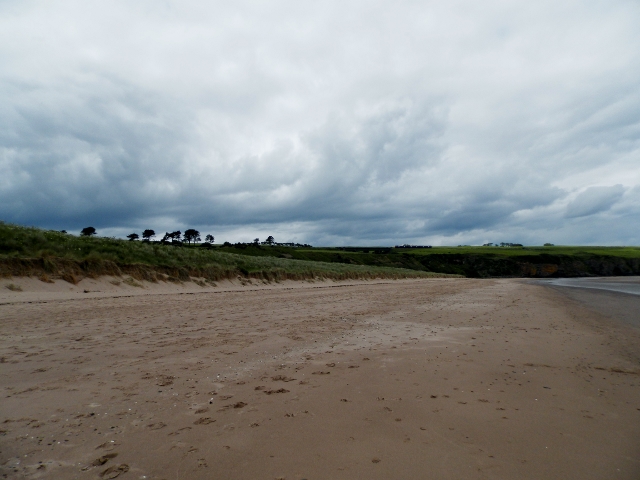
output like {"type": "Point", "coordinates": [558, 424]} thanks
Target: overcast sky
{"type": "Point", "coordinates": [333, 123]}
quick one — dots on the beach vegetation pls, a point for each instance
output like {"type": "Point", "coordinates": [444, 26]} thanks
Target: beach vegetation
{"type": "Point", "coordinates": [31, 251]}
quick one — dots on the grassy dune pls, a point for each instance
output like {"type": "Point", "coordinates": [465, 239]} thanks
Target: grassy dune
{"type": "Point", "coordinates": [49, 254]}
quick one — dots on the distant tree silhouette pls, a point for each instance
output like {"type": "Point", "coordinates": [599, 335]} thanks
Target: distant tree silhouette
{"type": "Point", "coordinates": [270, 240]}
{"type": "Point", "coordinates": [209, 238]}
{"type": "Point", "coordinates": [191, 235]}
{"type": "Point", "coordinates": [256, 241]}
{"type": "Point", "coordinates": [88, 231]}
{"type": "Point", "coordinates": [63, 231]}
{"type": "Point", "coordinates": [175, 236]}
{"type": "Point", "coordinates": [133, 236]}
{"type": "Point", "coordinates": [148, 234]}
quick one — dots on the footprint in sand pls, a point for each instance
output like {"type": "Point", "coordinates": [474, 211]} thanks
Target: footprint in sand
{"type": "Point", "coordinates": [103, 459]}
{"type": "Point", "coordinates": [280, 390]}
{"type": "Point", "coordinates": [282, 378]}
{"type": "Point", "coordinates": [115, 471]}
{"type": "Point", "coordinates": [232, 405]}
{"type": "Point", "coordinates": [165, 380]}
{"type": "Point", "coordinates": [320, 373]}
{"type": "Point", "coordinates": [157, 426]}
{"type": "Point", "coordinates": [107, 446]}
{"type": "Point", "coordinates": [204, 421]}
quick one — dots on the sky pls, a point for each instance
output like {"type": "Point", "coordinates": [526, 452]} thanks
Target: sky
{"type": "Point", "coordinates": [330, 123]}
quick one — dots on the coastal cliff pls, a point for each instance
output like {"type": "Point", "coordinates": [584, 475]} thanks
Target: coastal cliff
{"type": "Point", "coordinates": [537, 266]}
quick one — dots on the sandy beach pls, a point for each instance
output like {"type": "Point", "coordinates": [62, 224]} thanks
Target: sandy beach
{"type": "Point", "coordinates": [413, 379]}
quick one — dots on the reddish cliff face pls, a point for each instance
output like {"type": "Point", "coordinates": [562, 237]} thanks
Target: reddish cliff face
{"type": "Point", "coordinates": [540, 270]}
{"type": "Point", "coordinates": [584, 267]}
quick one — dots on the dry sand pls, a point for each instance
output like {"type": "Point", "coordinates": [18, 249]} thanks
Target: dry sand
{"type": "Point", "coordinates": [442, 379]}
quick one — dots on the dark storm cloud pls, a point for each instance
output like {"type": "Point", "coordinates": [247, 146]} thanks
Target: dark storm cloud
{"type": "Point", "coordinates": [331, 123]}
{"type": "Point", "coordinates": [86, 157]}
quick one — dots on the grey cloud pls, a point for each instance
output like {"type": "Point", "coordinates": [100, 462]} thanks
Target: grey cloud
{"type": "Point", "coordinates": [594, 200]}
{"type": "Point", "coordinates": [330, 122]}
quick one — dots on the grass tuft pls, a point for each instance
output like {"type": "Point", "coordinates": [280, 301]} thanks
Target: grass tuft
{"type": "Point", "coordinates": [131, 282]}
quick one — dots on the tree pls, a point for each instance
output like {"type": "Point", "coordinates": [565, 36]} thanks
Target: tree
{"type": "Point", "coordinates": [148, 234]}
{"type": "Point", "coordinates": [88, 231]}
{"type": "Point", "coordinates": [175, 236]}
{"type": "Point", "coordinates": [209, 238]}
{"type": "Point", "coordinates": [192, 235]}
{"type": "Point", "coordinates": [270, 240]}
{"type": "Point", "coordinates": [133, 236]}
{"type": "Point", "coordinates": [256, 241]}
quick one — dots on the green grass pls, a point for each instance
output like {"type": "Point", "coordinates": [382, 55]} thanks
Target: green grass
{"type": "Point", "coordinates": [470, 261]}
{"type": "Point", "coordinates": [328, 254]}
{"type": "Point", "coordinates": [625, 252]}
{"type": "Point", "coordinates": [32, 251]}
{"type": "Point", "coordinates": [28, 251]}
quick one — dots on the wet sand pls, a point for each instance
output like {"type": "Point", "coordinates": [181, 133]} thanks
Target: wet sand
{"type": "Point", "coordinates": [616, 298]}
{"type": "Point", "coordinates": [628, 285]}
{"type": "Point", "coordinates": [443, 378]}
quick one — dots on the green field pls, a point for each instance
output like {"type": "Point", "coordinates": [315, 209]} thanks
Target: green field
{"type": "Point", "coordinates": [479, 262]}
{"type": "Point", "coordinates": [32, 251]}
{"type": "Point", "coordinates": [625, 252]}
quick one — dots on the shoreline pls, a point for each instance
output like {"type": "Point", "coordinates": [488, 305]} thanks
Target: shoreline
{"type": "Point", "coordinates": [603, 298]}
{"type": "Point", "coordinates": [619, 306]}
